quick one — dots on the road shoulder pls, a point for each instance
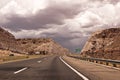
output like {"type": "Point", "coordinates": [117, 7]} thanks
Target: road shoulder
{"type": "Point", "coordinates": [93, 71]}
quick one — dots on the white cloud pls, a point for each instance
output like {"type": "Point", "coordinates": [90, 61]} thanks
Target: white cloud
{"type": "Point", "coordinates": [97, 16]}
{"type": "Point", "coordinates": [88, 18]}
{"type": "Point", "coordinates": [85, 17]}
{"type": "Point", "coordinates": [22, 7]}
{"type": "Point", "coordinates": [33, 5]}
{"type": "Point", "coordinates": [13, 7]}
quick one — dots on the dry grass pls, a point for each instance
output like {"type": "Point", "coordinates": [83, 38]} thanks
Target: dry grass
{"type": "Point", "coordinates": [9, 58]}
{"type": "Point", "coordinates": [4, 56]}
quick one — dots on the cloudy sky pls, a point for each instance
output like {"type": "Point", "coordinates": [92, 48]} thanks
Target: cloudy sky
{"type": "Point", "coordinates": [68, 22]}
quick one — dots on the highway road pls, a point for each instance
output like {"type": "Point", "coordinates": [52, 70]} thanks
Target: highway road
{"type": "Point", "coordinates": [48, 68]}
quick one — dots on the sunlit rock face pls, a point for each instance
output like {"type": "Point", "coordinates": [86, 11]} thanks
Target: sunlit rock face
{"type": "Point", "coordinates": [42, 46]}
{"type": "Point", "coordinates": [8, 41]}
{"type": "Point", "coordinates": [103, 44]}
{"type": "Point", "coordinates": [30, 45]}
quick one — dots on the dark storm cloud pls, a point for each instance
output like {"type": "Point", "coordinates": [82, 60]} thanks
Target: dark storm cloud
{"type": "Point", "coordinates": [64, 41]}
{"type": "Point", "coordinates": [64, 36]}
{"type": "Point", "coordinates": [82, 18]}
{"type": "Point", "coordinates": [54, 14]}
{"type": "Point", "coordinates": [63, 33]}
{"type": "Point", "coordinates": [88, 26]}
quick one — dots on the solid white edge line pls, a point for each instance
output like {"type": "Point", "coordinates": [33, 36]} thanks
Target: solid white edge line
{"type": "Point", "coordinates": [81, 75]}
{"type": "Point", "coordinates": [20, 70]}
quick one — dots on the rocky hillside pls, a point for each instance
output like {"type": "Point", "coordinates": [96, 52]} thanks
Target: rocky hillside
{"type": "Point", "coordinates": [42, 46]}
{"type": "Point", "coordinates": [103, 44]}
{"type": "Point", "coordinates": [8, 41]}
{"type": "Point", "coordinates": [29, 46]}
{"type": "Point", "coordinates": [5, 39]}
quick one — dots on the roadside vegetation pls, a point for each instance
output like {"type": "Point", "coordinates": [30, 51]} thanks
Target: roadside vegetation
{"type": "Point", "coordinates": [7, 56]}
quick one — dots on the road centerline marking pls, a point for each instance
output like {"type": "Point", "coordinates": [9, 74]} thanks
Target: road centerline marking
{"type": "Point", "coordinates": [81, 75]}
{"type": "Point", "coordinates": [20, 70]}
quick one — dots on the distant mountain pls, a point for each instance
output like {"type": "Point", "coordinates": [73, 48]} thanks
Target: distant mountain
{"type": "Point", "coordinates": [30, 46]}
{"type": "Point", "coordinates": [103, 44]}
{"type": "Point", "coordinates": [41, 46]}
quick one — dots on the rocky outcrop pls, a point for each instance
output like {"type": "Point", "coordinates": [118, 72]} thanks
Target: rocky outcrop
{"type": "Point", "coordinates": [8, 41]}
{"type": "Point", "coordinates": [5, 39]}
{"type": "Point", "coordinates": [29, 46]}
{"type": "Point", "coordinates": [41, 46]}
{"type": "Point", "coordinates": [103, 44]}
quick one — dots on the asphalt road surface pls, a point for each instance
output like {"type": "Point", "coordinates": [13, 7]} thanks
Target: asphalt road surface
{"type": "Point", "coordinates": [49, 68]}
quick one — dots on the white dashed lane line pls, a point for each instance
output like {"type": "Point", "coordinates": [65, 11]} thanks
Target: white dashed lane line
{"type": "Point", "coordinates": [20, 70]}
{"type": "Point", "coordinates": [39, 61]}
{"type": "Point", "coordinates": [16, 72]}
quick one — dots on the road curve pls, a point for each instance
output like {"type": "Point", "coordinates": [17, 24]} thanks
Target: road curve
{"type": "Point", "coordinates": [49, 68]}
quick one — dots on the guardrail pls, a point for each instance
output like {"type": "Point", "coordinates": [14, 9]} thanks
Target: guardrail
{"type": "Point", "coordinates": [114, 63]}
